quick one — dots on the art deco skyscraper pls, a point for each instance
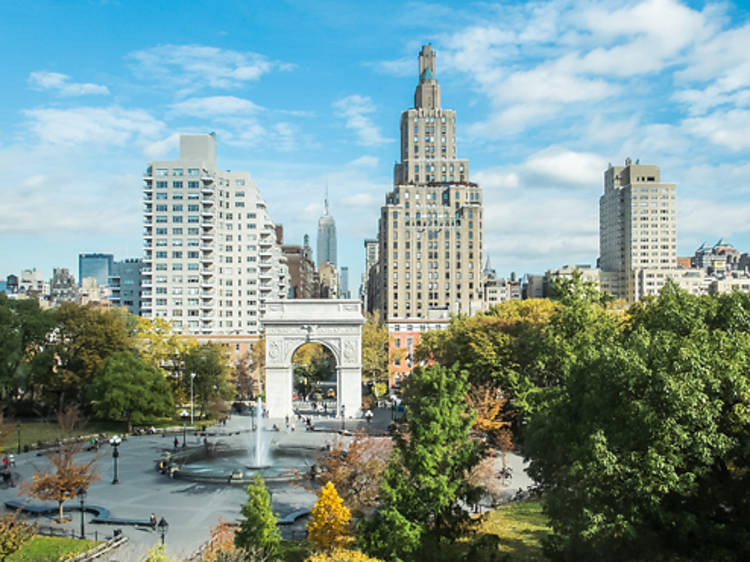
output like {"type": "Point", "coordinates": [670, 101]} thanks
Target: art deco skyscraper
{"type": "Point", "coordinates": [326, 237]}
{"type": "Point", "coordinates": [430, 229]}
{"type": "Point", "coordinates": [211, 257]}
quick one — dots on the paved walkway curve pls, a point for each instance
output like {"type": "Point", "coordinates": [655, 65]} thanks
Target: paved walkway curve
{"type": "Point", "coordinates": [101, 514]}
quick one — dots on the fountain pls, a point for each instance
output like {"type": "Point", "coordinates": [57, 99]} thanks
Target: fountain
{"type": "Point", "coordinates": [234, 460]}
{"type": "Point", "coordinates": [261, 446]}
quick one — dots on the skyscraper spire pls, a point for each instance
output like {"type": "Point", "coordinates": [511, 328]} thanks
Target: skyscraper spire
{"type": "Point", "coordinates": [325, 201]}
{"type": "Point", "coordinates": [427, 95]}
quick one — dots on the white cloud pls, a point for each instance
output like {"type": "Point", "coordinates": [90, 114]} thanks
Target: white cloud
{"type": "Point", "coordinates": [551, 168]}
{"type": "Point", "coordinates": [360, 200]}
{"type": "Point", "coordinates": [355, 110]}
{"type": "Point", "coordinates": [61, 83]}
{"type": "Point", "coordinates": [405, 66]}
{"type": "Point", "coordinates": [560, 165]}
{"type": "Point", "coordinates": [497, 179]}
{"type": "Point", "coordinates": [215, 105]}
{"type": "Point", "coordinates": [569, 59]}
{"type": "Point", "coordinates": [112, 125]}
{"type": "Point", "coordinates": [364, 162]}
{"type": "Point", "coordinates": [698, 218]}
{"type": "Point", "coordinates": [64, 202]}
{"type": "Point", "coordinates": [724, 128]}
{"type": "Point", "coordinates": [195, 66]}
{"type": "Point", "coordinates": [159, 149]}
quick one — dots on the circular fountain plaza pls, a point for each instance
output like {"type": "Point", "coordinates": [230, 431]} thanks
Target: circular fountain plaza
{"type": "Point", "coordinates": [275, 450]}
{"type": "Point", "coordinates": [208, 483]}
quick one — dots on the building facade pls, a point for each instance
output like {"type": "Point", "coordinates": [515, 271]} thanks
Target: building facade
{"type": "Point", "coordinates": [637, 228]}
{"type": "Point", "coordinates": [430, 228]}
{"type": "Point", "coordinates": [301, 270]}
{"type": "Point", "coordinates": [98, 266]}
{"type": "Point", "coordinates": [211, 257]}
{"type": "Point", "coordinates": [125, 284]}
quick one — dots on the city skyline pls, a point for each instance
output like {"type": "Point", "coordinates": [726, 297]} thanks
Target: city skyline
{"type": "Point", "coordinates": [548, 94]}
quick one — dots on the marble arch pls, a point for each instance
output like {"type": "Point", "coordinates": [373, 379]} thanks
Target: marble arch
{"type": "Point", "coordinates": [337, 324]}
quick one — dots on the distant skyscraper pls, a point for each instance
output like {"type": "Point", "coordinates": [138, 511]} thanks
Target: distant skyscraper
{"type": "Point", "coordinates": [637, 231]}
{"type": "Point", "coordinates": [98, 266]}
{"type": "Point", "coordinates": [344, 294]}
{"type": "Point", "coordinates": [326, 237]}
{"type": "Point", "coordinates": [125, 284]}
{"type": "Point", "coordinates": [430, 228]}
{"type": "Point", "coordinates": [212, 258]}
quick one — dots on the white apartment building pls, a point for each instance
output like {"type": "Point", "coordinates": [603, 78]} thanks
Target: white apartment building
{"type": "Point", "coordinates": [211, 257]}
{"type": "Point", "coordinates": [637, 230]}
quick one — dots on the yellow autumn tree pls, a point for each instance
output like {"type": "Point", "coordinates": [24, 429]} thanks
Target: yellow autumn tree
{"type": "Point", "coordinates": [340, 555]}
{"type": "Point", "coordinates": [329, 525]}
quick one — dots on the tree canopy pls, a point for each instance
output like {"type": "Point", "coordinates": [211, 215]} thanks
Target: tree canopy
{"type": "Point", "coordinates": [131, 389]}
{"type": "Point", "coordinates": [425, 482]}
{"type": "Point", "coordinates": [644, 455]}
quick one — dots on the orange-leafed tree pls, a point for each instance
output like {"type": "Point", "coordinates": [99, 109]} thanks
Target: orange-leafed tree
{"type": "Point", "coordinates": [355, 469]}
{"type": "Point", "coordinates": [329, 525]}
{"type": "Point", "coordinates": [220, 546]}
{"type": "Point", "coordinates": [62, 484]}
{"type": "Point", "coordinates": [490, 425]}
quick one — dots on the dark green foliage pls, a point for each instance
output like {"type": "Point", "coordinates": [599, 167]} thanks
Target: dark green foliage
{"type": "Point", "coordinates": [24, 328]}
{"type": "Point", "coordinates": [258, 534]}
{"type": "Point", "coordinates": [83, 340]}
{"type": "Point", "coordinates": [645, 454]}
{"type": "Point", "coordinates": [209, 363]}
{"type": "Point", "coordinates": [131, 390]}
{"type": "Point", "coordinates": [426, 477]}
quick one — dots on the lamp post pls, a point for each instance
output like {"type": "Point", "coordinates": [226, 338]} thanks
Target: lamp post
{"type": "Point", "coordinates": [192, 378]}
{"type": "Point", "coordinates": [343, 416]}
{"type": "Point", "coordinates": [184, 415]}
{"type": "Point", "coordinates": [82, 497]}
{"type": "Point", "coordinates": [115, 442]}
{"type": "Point", "coordinates": [18, 429]}
{"type": "Point", "coordinates": [163, 528]}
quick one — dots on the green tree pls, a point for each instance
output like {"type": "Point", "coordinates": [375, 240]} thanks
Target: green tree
{"type": "Point", "coordinates": [374, 349]}
{"type": "Point", "coordinates": [83, 340]}
{"type": "Point", "coordinates": [425, 483]}
{"type": "Point", "coordinates": [258, 534]}
{"type": "Point", "coordinates": [131, 389]}
{"type": "Point", "coordinates": [209, 363]}
{"type": "Point", "coordinates": [644, 454]}
{"type": "Point", "coordinates": [24, 329]}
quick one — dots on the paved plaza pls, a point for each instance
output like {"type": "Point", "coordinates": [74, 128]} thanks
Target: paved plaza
{"type": "Point", "coordinates": [191, 509]}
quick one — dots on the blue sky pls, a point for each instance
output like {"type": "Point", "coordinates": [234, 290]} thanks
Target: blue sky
{"type": "Point", "coordinates": [304, 93]}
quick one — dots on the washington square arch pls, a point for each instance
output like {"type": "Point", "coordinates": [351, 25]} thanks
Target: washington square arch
{"type": "Point", "coordinates": [337, 325]}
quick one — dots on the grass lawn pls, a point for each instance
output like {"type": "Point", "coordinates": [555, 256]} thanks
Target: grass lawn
{"type": "Point", "coordinates": [294, 551]}
{"type": "Point", "coordinates": [49, 548]}
{"type": "Point", "coordinates": [519, 528]}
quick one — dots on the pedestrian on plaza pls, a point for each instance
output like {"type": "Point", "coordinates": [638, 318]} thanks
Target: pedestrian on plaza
{"type": "Point", "coordinates": [152, 521]}
{"type": "Point", "coordinates": [176, 442]}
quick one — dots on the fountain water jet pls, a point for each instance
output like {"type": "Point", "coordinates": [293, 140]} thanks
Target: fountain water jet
{"type": "Point", "coordinates": [261, 448]}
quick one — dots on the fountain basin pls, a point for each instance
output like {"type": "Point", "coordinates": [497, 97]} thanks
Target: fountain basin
{"type": "Point", "coordinates": [222, 464]}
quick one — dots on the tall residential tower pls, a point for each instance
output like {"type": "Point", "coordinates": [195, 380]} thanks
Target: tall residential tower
{"type": "Point", "coordinates": [430, 228]}
{"type": "Point", "coordinates": [211, 255]}
{"type": "Point", "coordinates": [637, 231]}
